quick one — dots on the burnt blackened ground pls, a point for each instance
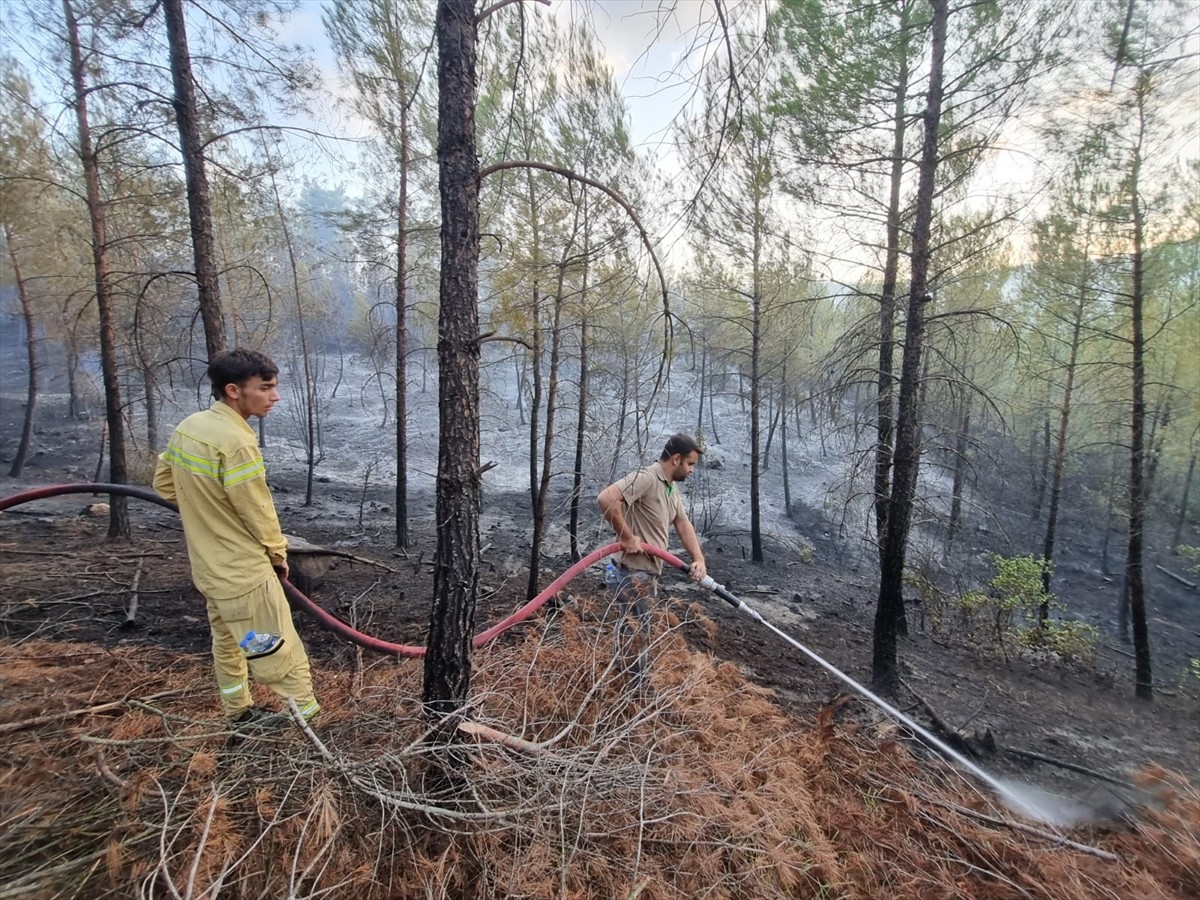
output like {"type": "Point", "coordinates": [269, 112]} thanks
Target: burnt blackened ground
{"type": "Point", "coordinates": [60, 578]}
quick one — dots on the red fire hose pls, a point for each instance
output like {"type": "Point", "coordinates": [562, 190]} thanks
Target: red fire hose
{"type": "Point", "coordinates": [326, 619]}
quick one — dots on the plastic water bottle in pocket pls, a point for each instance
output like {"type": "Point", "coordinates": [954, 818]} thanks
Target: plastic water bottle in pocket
{"type": "Point", "coordinates": [256, 644]}
{"type": "Point", "coordinates": [611, 575]}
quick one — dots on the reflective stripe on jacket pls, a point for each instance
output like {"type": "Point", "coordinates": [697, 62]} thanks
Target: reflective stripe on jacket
{"type": "Point", "coordinates": [213, 469]}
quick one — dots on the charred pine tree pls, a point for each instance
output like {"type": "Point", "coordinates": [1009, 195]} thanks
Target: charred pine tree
{"type": "Point", "coordinates": [1060, 453]}
{"type": "Point", "coordinates": [192, 148]}
{"type": "Point", "coordinates": [580, 432]}
{"type": "Point", "coordinates": [582, 398]}
{"type": "Point", "coordinates": [1183, 502]}
{"type": "Point", "coordinates": [402, 336]}
{"type": "Point", "coordinates": [118, 522]}
{"type": "Point", "coordinates": [30, 355]}
{"type": "Point", "coordinates": [1044, 470]}
{"type": "Point", "coordinates": [885, 402]}
{"type": "Point", "coordinates": [962, 441]}
{"type": "Point", "coordinates": [889, 611]}
{"type": "Point", "coordinates": [456, 563]}
{"type": "Point", "coordinates": [542, 490]}
{"type": "Point", "coordinates": [1137, 444]}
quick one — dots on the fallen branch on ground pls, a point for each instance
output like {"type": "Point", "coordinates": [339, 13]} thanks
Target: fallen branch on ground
{"type": "Point", "coordinates": [1178, 578]}
{"type": "Point", "coordinates": [132, 610]}
{"type": "Point", "coordinates": [1021, 826]}
{"type": "Point", "coordinates": [1062, 764]}
{"type": "Point", "coordinates": [9, 727]}
{"type": "Point", "coordinates": [948, 734]}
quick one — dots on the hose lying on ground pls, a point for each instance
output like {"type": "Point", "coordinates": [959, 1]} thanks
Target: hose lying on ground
{"type": "Point", "coordinates": [324, 617]}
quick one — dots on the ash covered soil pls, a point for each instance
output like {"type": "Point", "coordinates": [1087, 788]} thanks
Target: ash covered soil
{"type": "Point", "coordinates": [63, 580]}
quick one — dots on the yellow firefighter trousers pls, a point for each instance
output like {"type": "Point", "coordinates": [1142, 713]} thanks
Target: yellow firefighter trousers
{"type": "Point", "coordinates": [286, 671]}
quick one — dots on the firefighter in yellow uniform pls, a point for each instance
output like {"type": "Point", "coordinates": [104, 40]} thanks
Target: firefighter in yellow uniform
{"type": "Point", "coordinates": [213, 470]}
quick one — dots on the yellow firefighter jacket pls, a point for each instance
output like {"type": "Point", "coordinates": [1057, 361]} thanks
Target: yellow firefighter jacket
{"type": "Point", "coordinates": [212, 468]}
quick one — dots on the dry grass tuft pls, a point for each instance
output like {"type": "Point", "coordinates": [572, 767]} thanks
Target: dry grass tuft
{"type": "Point", "coordinates": [702, 787]}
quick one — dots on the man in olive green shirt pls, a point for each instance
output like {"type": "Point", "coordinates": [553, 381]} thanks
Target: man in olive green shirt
{"type": "Point", "coordinates": [213, 470]}
{"type": "Point", "coordinates": [640, 508]}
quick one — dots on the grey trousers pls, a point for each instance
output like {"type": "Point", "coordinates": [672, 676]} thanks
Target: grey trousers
{"type": "Point", "coordinates": [633, 592]}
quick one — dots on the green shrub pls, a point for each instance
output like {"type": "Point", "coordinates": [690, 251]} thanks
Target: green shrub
{"type": "Point", "coordinates": [1068, 638]}
{"type": "Point", "coordinates": [1008, 612]}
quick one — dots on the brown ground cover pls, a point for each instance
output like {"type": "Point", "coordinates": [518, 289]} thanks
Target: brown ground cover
{"type": "Point", "coordinates": [117, 776]}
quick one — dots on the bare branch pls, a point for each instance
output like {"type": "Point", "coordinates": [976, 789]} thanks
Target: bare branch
{"type": "Point", "coordinates": [495, 7]}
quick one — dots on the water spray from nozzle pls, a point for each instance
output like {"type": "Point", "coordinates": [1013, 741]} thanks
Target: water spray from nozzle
{"type": "Point", "coordinates": [1030, 801]}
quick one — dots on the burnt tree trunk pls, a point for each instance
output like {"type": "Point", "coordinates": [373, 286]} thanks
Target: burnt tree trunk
{"type": "Point", "coordinates": [783, 460]}
{"type": "Point", "coordinates": [773, 416]}
{"type": "Point", "coordinates": [543, 487]}
{"type": "Point", "coordinates": [885, 403]}
{"type": "Point", "coordinates": [150, 387]}
{"type": "Point", "coordinates": [204, 251]}
{"type": "Point", "coordinates": [30, 355]}
{"type": "Point", "coordinates": [581, 404]}
{"type": "Point", "coordinates": [535, 351]}
{"type": "Point", "coordinates": [1187, 490]}
{"type": "Point", "coordinates": [402, 338]}
{"type": "Point", "coordinates": [1044, 471]}
{"type": "Point", "coordinates": [1060, 460]}
{"type": "Point", "coordinates": [962, 440]}
{"type": "Point", "coordinates": [456, 563]}
{"type": "Point", "coordinates": [1158, 427]}
{"type": "Point", "coordinates": [118, 520]}
{"type": "Point", "coordinates": [889, 612]}
{"type": "Point", "coordinates": [756, 542]}
{"type": "Point", "coordinates": [1137, 465]}
{"type": "Point", "coordinates": [712, 419]}
{"type": "Point", "coordinates": [580, 434]}
{"type": "Point", "coordinates": [306, 353]}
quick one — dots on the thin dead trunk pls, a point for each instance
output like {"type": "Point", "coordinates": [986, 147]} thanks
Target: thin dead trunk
{"type": "Point", "coordinates": [1159, 423]}
{"type": "Point", "coordinates": [1060, 455]}
{"type": "Point", "coordinates": [30, 355]}
{"type": "Point", "coordinates": [622, 412]}
{"type": "Point", "coordinates": [519, 365]}
{"type": "Point", "coordinates": [773, 415]}
{"type": "Point", "coordinates": [310, 386]}
{"type": "Point", "coordinates": [582, 401]}
{"type": "Point", "coordinates": [1044, 471]}
{"type": "Point", "coordinates": [73, 406]}
{"type": "Point", "coordinates": [150, 384]}
{"type": "Point", "coordinates": [1183, 502]}
{"type": "Point", "coordinates": [543, 489]}
{"type": "Point", "coordinates": [756, 542]}
{"type": "Point", "coordinates": [580, 431]}
{"type": "Point", "coordinates": [783, 459]}
{"type": "Point", "coordinates": [1108, 521]}
{"type": "Point", "coordinates": [535, 403]}
{"type": "Point", "coordinates": [712, 419]}
{"type": "Point", "coordinates": [962, 440]}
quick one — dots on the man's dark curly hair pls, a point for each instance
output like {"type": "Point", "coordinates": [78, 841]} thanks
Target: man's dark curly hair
{"type": "Point", "coordinates": [238, 366]}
